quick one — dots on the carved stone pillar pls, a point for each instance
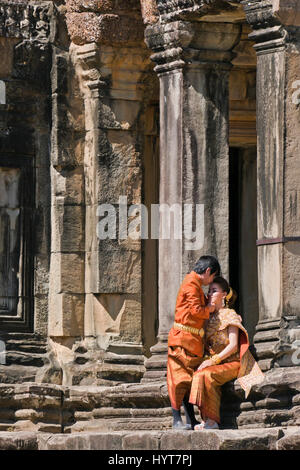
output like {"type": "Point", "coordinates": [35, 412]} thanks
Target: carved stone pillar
{"type": "Point", "coordinates": [193, 63]}
{"type": "Point", "coordinates": [117, 86]}
{"type": "Point", "coordinates": [66, 293]}
{"type": "Point", "coordinates": [276, 31]}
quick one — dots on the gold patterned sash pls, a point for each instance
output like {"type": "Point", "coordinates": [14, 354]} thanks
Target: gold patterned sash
{"type": "Point", "coordinates": [196, 331]}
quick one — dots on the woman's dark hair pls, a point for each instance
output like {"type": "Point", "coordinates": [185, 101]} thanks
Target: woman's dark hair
{"type": "Point", "coordinates": [220, 281]}
{"type": "Point", "coordinates": [205, 262]}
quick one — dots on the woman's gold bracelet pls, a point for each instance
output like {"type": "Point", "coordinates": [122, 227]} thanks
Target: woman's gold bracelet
{"type": "Point", "coordinates": [216, 359]}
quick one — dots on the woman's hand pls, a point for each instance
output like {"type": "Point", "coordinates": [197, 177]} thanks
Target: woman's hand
{"type": "Point", "coordinates": [205, 364]}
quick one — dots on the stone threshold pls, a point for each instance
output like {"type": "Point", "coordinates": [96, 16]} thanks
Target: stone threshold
{"type": "Point", "coordinates": [250, 439]}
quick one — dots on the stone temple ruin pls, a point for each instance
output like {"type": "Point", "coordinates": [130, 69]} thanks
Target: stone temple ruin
{"type": "Point", "coordinates": [155, 102]}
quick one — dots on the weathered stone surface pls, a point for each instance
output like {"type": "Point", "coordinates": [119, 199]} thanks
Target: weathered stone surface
{"type": "Point", "coordinates": [64, 266]}
{"type": "Point", "coordinates": [172, 440]}
{"type": "Point", "coordinates": [90, 441]}
{"type": "Point", "coordinates": [68, 319]}
{"type": "Point", "coordinates": [149, 11]}
{"type": "Point", "coordinates": [103, 6]}
{"type": "Point", "coordinates": [243, 440]}
{"type": "Point", "coordinates": [289, 442]}
{"type": "Point", "coordinates": [141, 441]}
{"type": "Point", "coordinates": [18, 441]}
{"type": "Point", "coordinates": [68, 228]}
{"type": "Point", "coordinates": [90, 27]}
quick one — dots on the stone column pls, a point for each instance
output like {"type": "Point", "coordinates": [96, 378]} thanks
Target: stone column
{"type": "Point", "coordinates": [66, 293]}
{"type": "Point", "coordinates": [276, 31]}
{"type": "Point", "coordinates": [117, 84]}
{"type": "Point", "coordinates": [193, 63]}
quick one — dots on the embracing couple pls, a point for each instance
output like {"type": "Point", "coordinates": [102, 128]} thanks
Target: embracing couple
{"type": "Point", "coordinates": [207, 347]}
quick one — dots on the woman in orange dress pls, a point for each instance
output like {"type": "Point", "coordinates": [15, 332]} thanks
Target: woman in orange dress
{"type": "Point", "coordinates": [227, 356]}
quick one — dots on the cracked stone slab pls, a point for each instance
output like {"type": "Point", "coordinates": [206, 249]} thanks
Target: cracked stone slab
{"type": "Point", "coordinates": [252, 439]}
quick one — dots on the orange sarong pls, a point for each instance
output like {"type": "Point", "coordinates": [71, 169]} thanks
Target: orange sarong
{"type": "Point", "coordinates": [206, 388]}
{"type": "Point", "coordinates": [206, 384]}
{"type": "Point", "coordinates": [180, 369]}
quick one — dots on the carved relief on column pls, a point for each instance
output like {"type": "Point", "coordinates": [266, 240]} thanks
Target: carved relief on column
{"type": "Point", "coordinates": [25, 21]}
{"type": "Point", "coordinates": [277, 47]}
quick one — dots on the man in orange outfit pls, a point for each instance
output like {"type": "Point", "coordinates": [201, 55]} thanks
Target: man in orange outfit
{"type": "Point", "coordinates": [185, 341]}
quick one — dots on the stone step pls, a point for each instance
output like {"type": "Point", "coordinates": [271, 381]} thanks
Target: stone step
{"type": "Point", "coordinates": [103, 373]}
{"type": "Point", "coordinates": [128, 359]}
{"type": "Point", "coordinates": [272, 403]}
{"type": "Point", "coordinates": [24, 358]}
{"type": "Point", "coordinates": [252, 439]}
{"type": "Point", "coordinates": [17, 374]}
{"type": "Point", "coordinates": [153, 375]}
{"type": "Point", "coordinates": [156, 362]}
{"type": "Point", "coordinates": [157, 423]}
{"type": "Point", "coordinates": [27, 348]}
{"type": "Point", "coordinates": [22, 336]}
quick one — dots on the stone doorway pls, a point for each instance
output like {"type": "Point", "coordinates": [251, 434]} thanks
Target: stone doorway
{"type": "Point", "coordinates": [16, 249]}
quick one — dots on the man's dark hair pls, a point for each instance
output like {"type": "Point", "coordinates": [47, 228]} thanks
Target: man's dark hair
{"type": "Point", "coordinates": [205, 262]}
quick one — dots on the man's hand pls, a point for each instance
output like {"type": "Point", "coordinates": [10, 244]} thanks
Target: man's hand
{"type": "Point", "coordinates": [212, 303]}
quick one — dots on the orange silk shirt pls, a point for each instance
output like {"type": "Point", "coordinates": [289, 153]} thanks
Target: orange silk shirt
{"type": "Point", "coordinates": [190, 310]}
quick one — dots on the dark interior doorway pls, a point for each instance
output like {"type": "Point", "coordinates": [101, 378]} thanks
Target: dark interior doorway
{"type": "Point", "coordinates": [243, 234]}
